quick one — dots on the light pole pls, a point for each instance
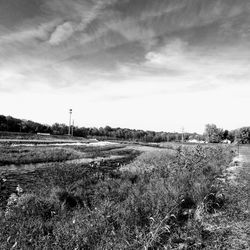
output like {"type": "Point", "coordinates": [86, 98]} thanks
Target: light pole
{"type": "Point", "coordinates": [70, 113]}
{"type": "Point", "coordinates": [182, 135]}
{"type": "Point", "coordinates": [72, 128]}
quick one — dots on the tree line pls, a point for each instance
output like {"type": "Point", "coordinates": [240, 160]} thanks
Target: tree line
{"type": "Point", "coordinates": [11, 124]}
{"type": "Point", "coordinates": [214, 134]}
{"type": "Point", "coordinates": [129, 134]}
{"type": "Point", "coordinates": [211, 134]}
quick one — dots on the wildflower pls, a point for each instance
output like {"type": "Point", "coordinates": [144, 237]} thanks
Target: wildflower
{"type": "Point", "coordinates": [12, 199]}
{"type": "Point", "coordinates": [53, 213]}
{"type": "Point", "coordinates": [2, 183]}
{"type": "Point", "coordinates": [19, 189]}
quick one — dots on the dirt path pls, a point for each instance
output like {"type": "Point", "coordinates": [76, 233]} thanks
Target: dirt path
{"type": "Point", "coordinates": [232, 225]}
{"type": "Point", "coordinates": [240, 167]}
{"type": "Point", "coordinates": [241, 179]}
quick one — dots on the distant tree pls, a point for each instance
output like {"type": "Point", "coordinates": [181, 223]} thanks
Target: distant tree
{"type": "Point", "coordinates": [213, 134]}
{"type": "Point", "coordinates": [81, 132]}
{"type": "Point", "coordinates": [244, 135]}
{"type": "Point", "coordinates": [102, 131]}
{"type": "Point", "coordinates": [59, 129]}
{"type": "Point", "coordinates": [3, 123]}
{"type": "Point", "coordinates": [94, 132]}
{"type": "Point", "coordinates": [231, 136]}
{"type": "Point", "coordinates": [225, 135]}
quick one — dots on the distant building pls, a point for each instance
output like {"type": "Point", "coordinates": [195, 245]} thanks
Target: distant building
{"type": "Point", "coordinates": [226, 141]}
{"type": "Point", "coordinates": [195, 141]}
{"type": "Point", "coordinates": [43, 133]}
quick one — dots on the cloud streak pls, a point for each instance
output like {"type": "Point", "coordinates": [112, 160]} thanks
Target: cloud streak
{"type": "Point", "coordinates": [62, 33]}
{"type": "Point", "coordinates": [195, 44]}
{"type": "Point", "coordinates": [144, 55]}
{"type": "Point", "coordinates": [86, 14]}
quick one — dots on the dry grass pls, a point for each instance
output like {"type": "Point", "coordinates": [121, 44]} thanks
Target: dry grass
{"type": "Point", "coordinates": [99, 207]}
{"type": "Point", "coordinates": [27, 155]}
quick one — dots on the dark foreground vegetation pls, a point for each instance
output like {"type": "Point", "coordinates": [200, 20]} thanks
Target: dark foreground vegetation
{"type": "Point", "coordinates": [158, 205]}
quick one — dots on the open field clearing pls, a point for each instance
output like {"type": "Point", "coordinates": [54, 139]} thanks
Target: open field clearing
{"type": "Point", "coordinates": [26, 164]}
{"type": "Point", "coordinates": [111, 196]}
{"type": "Point", "coordinates": [31, 165]}
{"type": "Point", "coordinates": [25, 155]}
{"type": "Point", "coordinates": [51, 152]}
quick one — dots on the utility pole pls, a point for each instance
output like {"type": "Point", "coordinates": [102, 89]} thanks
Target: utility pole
{"type": "Point", "coordinates": [182, 135]}
{"type": "Point", "coordinates": [73, 128]}
{"type": "Point", "coordinates": [70, 113]}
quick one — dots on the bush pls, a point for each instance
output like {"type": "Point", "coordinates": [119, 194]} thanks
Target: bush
{"type": "Point", "coordinates": [29, 205]}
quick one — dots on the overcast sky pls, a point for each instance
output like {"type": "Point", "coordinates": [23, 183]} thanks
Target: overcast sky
{"type": "Point", "coordinates": [149, 64]}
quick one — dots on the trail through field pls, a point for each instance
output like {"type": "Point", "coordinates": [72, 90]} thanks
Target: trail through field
{"type": "Point", "coordinates": [234, 222]}
{"type": "Point", "coordinates": [240, 167]}
{"type": "Point", "coordinates": [240, 177]}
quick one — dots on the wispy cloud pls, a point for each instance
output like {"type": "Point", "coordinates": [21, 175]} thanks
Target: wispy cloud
{"type": "Point", "coordinates": [189, 69]}
{"type": "Point", "coordinates": [40, 31]}
{"type": "Point", "coordinates": [130, 51]}
{"type": "Point", "coordinates": [62, 33]}
{"type": "Point", "coordinates": [82, 14]}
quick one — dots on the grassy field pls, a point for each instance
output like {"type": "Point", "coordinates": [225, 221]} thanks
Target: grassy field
{"type": "Point", "coordinates": [35, 167]}
{"type": "Point", "coordinates": [26, 155]}
{"type": "Point", "coordinates": [38, 154]}
{"type": "Point", "coordinates": [117, 200]}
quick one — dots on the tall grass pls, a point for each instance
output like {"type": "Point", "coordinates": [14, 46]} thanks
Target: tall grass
{"type": "Point", "coordinates": [27, 155]}
{"type": "Point", "coordinates": [152, 209]}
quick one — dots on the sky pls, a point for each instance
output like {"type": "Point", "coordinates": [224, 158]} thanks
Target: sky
{"type": "Point", "coordinates": [158, 65]}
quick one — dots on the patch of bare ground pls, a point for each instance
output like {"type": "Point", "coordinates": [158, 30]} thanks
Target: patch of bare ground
{"type": "Point", "coordinates": [230, 227]}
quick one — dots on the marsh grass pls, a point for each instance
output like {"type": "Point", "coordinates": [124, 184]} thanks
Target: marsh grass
{"type": "Point", "coordinates": [27, 155]}
{"type": "Point", "coordinates": [137, 209]}
{"type": "Point", "coordinates": [41, 154]}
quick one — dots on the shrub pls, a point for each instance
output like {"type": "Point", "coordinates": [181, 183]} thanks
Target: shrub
{"type": "Point", "coordinates": [29, 205]}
